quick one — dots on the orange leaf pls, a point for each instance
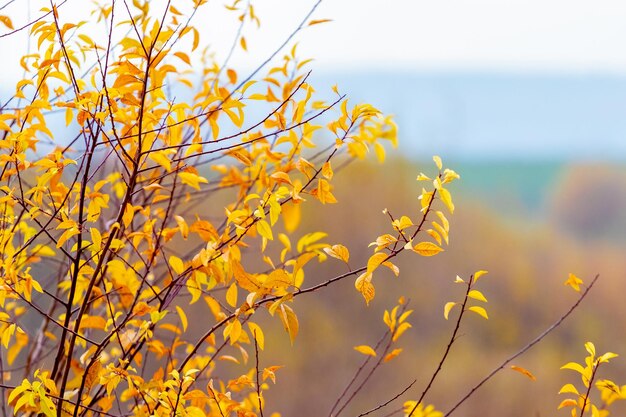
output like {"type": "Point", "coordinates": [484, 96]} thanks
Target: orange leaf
{"type": "Point", "coordinates": [366, 350]}
{"type": "Point", "coordinates": [392, 354]}
{"type": "Point", "coordinates": [6, 21]}
{"type": "Point", "coordinates": [93, 322]}
{"type": "Point", "coordinates": [523, 371]}
{"type": "Point", "coordinates": [318, 21]}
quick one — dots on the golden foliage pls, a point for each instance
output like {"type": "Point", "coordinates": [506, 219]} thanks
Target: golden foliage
{"type": "Point", "coordinates": [114, 226]}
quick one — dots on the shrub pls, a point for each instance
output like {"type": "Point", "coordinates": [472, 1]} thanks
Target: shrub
{"type": "Point", "coordinates": [125, 207]}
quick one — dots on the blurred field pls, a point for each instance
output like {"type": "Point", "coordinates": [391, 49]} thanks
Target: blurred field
{"type": "Point", "coordinates": [529, 225]}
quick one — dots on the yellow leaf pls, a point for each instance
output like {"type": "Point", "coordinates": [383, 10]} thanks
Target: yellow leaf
{"type": "Point", "coordinates": [7, 333]}
{"type": "Point", "coordinates": [444, 220]}
{"type": "Point", "coordinates": [69, 116]}
{"type": "Point", "coordinates": [141, 308]}
{"type": "Point", "coordinates": [607, 356]}
{"type": "Point", "coordinates": [281, 177]}
{"type": "Point", "coordinates": [290, 321]}
{"type": "Point", "coordinates": [375, 260]}
{"type": "Point", "coordinates": [480, 311]}
{"type": "Point", "coordinates": [191, 179]}
{"type": "Point", "coordinates": [96, 238]}
{"type": "Point", "coordinates": [239, 154]}
{"type": "Point", "coordinates": [568, 388]}
{"type": "Point", "coordinates": [479, 274]}
{"type": "Point", "coordinates": [271, 374]}
{"type": "Point", "coordinates": [401, 329]}
{"type": "Point", "coordinates": [568, 403]}
{"type": "Point", "coordinates": [156, 316]}
{"type": "Point", "coordinates": [204, 229]}
{"type": "Point", "coordinates": [233, 331]}
{"type": "Point", "coordinates": [366, 350]}
{"type": "Point", "coordinates": [170, 328]}
{"type": "Point", "coordinates": [574, 367]}
{"type": "Point", "coordinates": [231, 295]}
{"type": "Point", "coordinates": [383, 241]}
{"type": "Point", "coordinates": [116, 245]}
{"type": "Point", "coordinates": [67, 235]}
{"type": "Point", "coordinates": [183, 317]}
{"type": "Point", "coordinates": [523, 371]}
{"type": "Point", "coordinates": [291, 216]}
{"type": "Point", "coordinates": [574, 282]}
{"type": "Point", "coordinates": [450, 175]}
{"type": "Point", "coordinates": [278, 278]}
{"type": "Point", "coordinates": [443, 232]}
{"type": "Point", "coordinates": [162, 159]}
{"type": "Point", "coordinates": [257, 334]}
{"type": "Point", "coordinates": [438, 162]}
{"type": "Point", "coordinates": [477, 295]}
{"type": "Point", "coordinates": [323, 192]}
{"type": "Point", "coordinates": [393, 267]}
{"type": "Point", "coordinates": [435, 235]}
{"type": "Point", "coordinates": [364, 286]}
{"type": "Point", "coordinates": [43, 250]}
{"type": "Point", "coordinates": [405, 314]}
{"type": "Point", "coordinates": [196, 39]}
{"type": "Point", "coordinates": [193, 411]}
{"type": "Point", "coordinates": [228, 358]}
{"type": "Point", "coordinates": [243, 43]}
{"type": "Point", "coordinates": [447, 308]}
{"type": "Point", "coordinates": [403, 223]}
{"type": "Point", "coordinates": [379, 149]}
{"type": "Point", "coordinates": [338, 252]}
{"type": "Point", "coordinates": [427, 249]}
{"type": "Point", "coordinates": [327, 171]}
{"type": "Point", "coordinates": [182, 226]}
{"type": "Point", "coordinates": [446, 197]}
{"type": "Point", "coordinates": [387, 320]}
{"type": "Point", "coordinates": [177, 264]}
{"type": "Point", "coordinates": [92, 374]}
{"type": "Point", "coordinates": [264, 229]}
{"type": "Point", "coordinates": [301, 262]}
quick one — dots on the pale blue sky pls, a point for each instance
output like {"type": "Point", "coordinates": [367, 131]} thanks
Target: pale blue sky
{"type": "Point", "coordinates": [509, 35]}
{"type": "Point", "coordinates": [550, 35]}
{"type": "Point", "coordinates": [570, 104]}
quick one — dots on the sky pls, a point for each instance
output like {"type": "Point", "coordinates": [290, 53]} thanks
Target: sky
{"type": "Point", "coordinates": [549, 38]}
{"type": "Point", "coordinates": [493, 35]}
{"type": "Point", "coordinates": [509, 35]}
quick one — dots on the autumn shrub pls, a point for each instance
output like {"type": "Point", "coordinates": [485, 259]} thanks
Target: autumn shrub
{"type": "Point", "coordinates": [125, 209]}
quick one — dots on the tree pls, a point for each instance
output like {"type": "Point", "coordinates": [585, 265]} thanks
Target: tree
{"type": "Point", "coordinates": [143, 205]}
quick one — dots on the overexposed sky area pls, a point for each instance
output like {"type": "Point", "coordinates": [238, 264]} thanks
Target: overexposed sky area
{"type": "Point", "coordinates": [552, 35]}
{"type": "Point", "coordinates": [495, 35]}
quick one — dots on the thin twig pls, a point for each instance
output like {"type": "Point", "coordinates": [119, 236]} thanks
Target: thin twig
{"type": "Point", "coordinates": [392, 399]}
{"type": "Point", "coordinates": [258, 372]}
{"type": "Point", "coordinates": [355, 376]}
{"type": "Point", "coordinates": [525, 348]}
{"type": "Point", "coordinates": [450, 343]}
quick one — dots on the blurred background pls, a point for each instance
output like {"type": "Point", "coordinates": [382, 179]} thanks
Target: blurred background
{"type": "Point", "coordinates": [526, 100]}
